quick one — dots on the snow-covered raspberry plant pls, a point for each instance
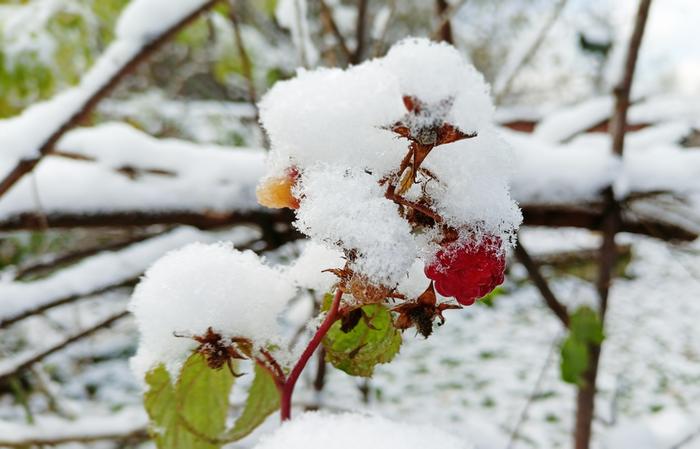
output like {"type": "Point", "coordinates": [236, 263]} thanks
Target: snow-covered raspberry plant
{"type": "Point", "coordinates": [399, 179]}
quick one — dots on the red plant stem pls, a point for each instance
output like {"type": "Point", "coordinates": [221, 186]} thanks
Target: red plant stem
{"type": "Point", "coordinates": [288, 387]}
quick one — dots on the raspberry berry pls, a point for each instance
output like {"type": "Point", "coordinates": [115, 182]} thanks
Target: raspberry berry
{"type": "Point", "coordinates": [470, 272]}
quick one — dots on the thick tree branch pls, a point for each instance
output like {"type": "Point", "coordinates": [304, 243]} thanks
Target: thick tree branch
{"type": "Point", "coordinates": [542, 285]}
{"type": "Point", "coordinates": [586, 216]}
{"type": "Point", "coordinates": [27, 165]}
{"type": "Point", "coordinates": [201, 220]}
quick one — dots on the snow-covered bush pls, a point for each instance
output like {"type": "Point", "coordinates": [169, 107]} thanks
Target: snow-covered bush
{"type": "Point", "coordinates": [401, 182]}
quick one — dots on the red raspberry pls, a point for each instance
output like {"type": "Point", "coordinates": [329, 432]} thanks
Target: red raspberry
{"type": "Point", "coordinates": [468, 273]}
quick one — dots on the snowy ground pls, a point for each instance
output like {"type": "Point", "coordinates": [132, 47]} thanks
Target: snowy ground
{"type": "Point", "coordinates": [474, 376]}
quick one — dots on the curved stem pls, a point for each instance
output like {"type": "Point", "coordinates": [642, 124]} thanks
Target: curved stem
{"type": "Point", "coordinates": [288, 388]}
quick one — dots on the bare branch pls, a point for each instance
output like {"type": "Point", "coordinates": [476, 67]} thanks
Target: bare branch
{"type": "Point", "coordinates": [542, 285]}
{"type": "Point", "coordinates": [330, 23]}
{"type": "Point", "coordinates": [27, 165]}
{"type": "Point", "coordinates": [199, 219]}
{"type": "Point", "coordinates": [590, 216]}
{"type": "Point", "coordinates": [622, 91]}
{"type": "Point", "coordinates": [125, 425]}
{"type": "Point", "coordinates": [444, 30]}
{"type": "Point", "coordinates": [504, 87]}
{"type": "Point", "coordinates": [515, 434]}
{"type": "Point", "coordinates": [611, 225]}
{"type": "Point", "coordinates": [44, 306]}
{"type": "Point", "coordinates": [360, 31]}
{"type": "Point", "coordinates": [11, 367]}
{"type": "Point", "coordinates": [43, 266]}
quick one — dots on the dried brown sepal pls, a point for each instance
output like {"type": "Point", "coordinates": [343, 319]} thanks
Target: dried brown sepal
{"type": "Point", "coordinates": [219, 351]}
{"type": "Point", "coordinates": [357, 285]}
{"type": "Point", "coordinates": [422, 312]}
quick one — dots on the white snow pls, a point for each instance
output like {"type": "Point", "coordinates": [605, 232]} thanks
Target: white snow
{"type": "Point", "coordinates": [292, 14]}
{"type": "Point", "coordinates": [89, 426]}
{"type": "Point", "coordinates": [201, 286]}
{"type": "Point", "coordinates": [91, 274]}
{"type": "Point", "coordinates": [144, 20]}
{"type": "Point", "coordinates": [197, 178]}
{"type": "Point", "coordinates": [348, 209]}
{"type": "Point", "coordinates": [332, 126]}
{"type": "Point", "coordinates": [316, 430]}
{"type": "Point", "coordinates": [563, 124]}
{"type": "Point", "coordinates": [306, 271]}
{"type": "Point", "coordinates": [22, 136]}
{"type": "Point", "coordinates": [335, 116]}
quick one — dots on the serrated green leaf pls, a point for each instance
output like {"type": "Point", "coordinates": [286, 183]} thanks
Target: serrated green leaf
{"type": "Point", "coordinates": [191, 413]}
{"type": "Point", "coordinates": [372, 341]}
{"type": "Point", "coordinates": [263, 400]}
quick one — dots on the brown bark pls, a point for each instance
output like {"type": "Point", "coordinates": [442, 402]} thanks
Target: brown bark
{"type": "Point", "coordinates": [360, 31]}
{"type": "Point", "coordinates": [542, 285]}
{"type": "Point", "coordinates": [611, 225]}
{"type": "Point", "coordinates": [444, 31]}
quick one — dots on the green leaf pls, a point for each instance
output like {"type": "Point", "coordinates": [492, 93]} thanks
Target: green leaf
{"type": "Point", "coordinates": [192, 413]}
{"type": "Point", "coordinates": [372, 341]}
{"type": "Point", "coordinates": [586, 326]}
{"type": "Point", "coordinates": [263, 400]}
{"type": "Point", "coordinates": [574, 360]}
{"type": "Point", "coordinates": [585, 330]}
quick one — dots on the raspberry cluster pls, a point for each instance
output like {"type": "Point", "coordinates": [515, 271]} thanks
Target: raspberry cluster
{"type": "Point", "coordinates": [470, 272]}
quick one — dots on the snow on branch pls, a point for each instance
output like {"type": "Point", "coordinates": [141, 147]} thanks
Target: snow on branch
{"type": "Point", "coordinates": [23, 360]}
{"type": "Point", "coordinates": [91, 276]}
{"type": "Point", "coordinates": [116, 169]}
{"type": "Point", "coordinates": [143, 27]}
{"type": "Point", "coordinates": [51, 431]}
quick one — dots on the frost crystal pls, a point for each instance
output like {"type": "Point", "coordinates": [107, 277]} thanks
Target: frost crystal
{"type": "Point", "coordinates": [201, 286]}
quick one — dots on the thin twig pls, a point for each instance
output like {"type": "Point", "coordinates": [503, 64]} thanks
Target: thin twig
{"type": "Point", "coordinates": [542, 285]}
{"type": "Point", "coordinates": [27, 165]}
{"type": "Point", "coordinates": [246, 65]}
{"type": "Point", "coordinates": [43, 307]}
{"type": "Point", "coordinates": [360, 31]}
{"type": "Point", "coordinates": [42, 266]}
{"type": "Point", "coordinates": [330, 23]}
{"type": "Point", "coordinates": [27, 361]}
{"type": "Point", "coordinates": [446, 17]}
{"type": "Point", "coordinates": [535, 391]}
{"type": "Point", "coordinates": [444, 30]}
{"type": "Point", "coordinates": [380, 42]}
{"type": "Point", "coordinates": [611, 225]}
{"type": "Point", "coordinates": [505, 86]}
